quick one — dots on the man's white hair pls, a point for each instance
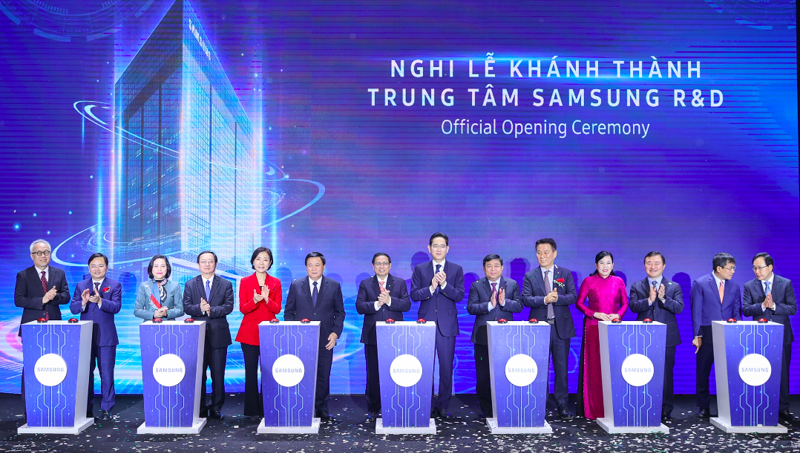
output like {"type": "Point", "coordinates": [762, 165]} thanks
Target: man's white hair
{"type": "Point", "coordinates": [38, 241]}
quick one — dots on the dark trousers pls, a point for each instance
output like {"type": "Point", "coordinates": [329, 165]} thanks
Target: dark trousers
{"type": "Point", "coordinates": [253, 404]}
{"type": "Point", "coordinates": [704, 360]}
{"type": "Point", "coordinates": [102, 357]}
{"type": "Point", "coordinates": [324, 363]}
{"type": "Point", "coordinates": [559, 353]}
{"type": "Point", "coordinates": [213, 358]}
{"type": "Point", "coordinates": [483, 383]}
{"type": "Point", "coordinates": [787, 360]}
{"type": "Point", "coordinates": [669, 395]}
{"type": "Point", "coordinates": [445, 350]}
{"type": "Point", "coordinates": [373, 378]}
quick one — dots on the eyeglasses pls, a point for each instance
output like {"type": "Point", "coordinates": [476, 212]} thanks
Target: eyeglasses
{"type": "Point", "coordinates": [730, 268]}
{"type": "Point", "coordinates": [758, 268]}
{"type": "Point", "coordinates": [45, 253]}
{"type": "Point", "coordinates": [382, 263]}
{"type": "Point", "coordinates": [439, 246]}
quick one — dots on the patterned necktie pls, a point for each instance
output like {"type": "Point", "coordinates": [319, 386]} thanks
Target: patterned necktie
{"type": "Point", "coordinates": [494, 288]}
{"type": "Point", "coordinates": [438, 267]}
{"type": "Point", "coordinates": [721, 290]}
{"type": "Point", "coordinates": [208, 290]}
{"type": "Point", "coordinates": [44, 287]}
{"type": "Point", "coordinates": [768, 289]}
{"type": "Point", "coordinates": [549, 286]}
{"type": "Point", "coordinates": [654, 305]}
{"type": "Point", "coordinates": [97, 287]}
{"type": "Point", "coordinates": [314, 295]}
{"type": "Point", "coordinates": [382, 287]}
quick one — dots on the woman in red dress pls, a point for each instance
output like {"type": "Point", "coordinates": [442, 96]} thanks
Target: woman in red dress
{"type": "Point", "coordinates": [260, 298]}
{"type": "Point", "coordinates": [608, 300]}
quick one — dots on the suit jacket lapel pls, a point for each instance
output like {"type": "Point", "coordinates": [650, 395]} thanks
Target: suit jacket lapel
{"type": "Point", "coordinates": [306, 289]}
{"type": "Point", "coordinates": [712, 282]}
{"type": "Point", "coordinates": [760, 288]}
{"type": "Point", "coordinates": [215, 282]}
{"type": "Point", "coordinates": [503, 283]}
{"type": "Point", "coordinates": [539, 279]}
{"type": "Point", "coordinates": [323, 283]}
{"type": "Point", "coordinates": [487, 286]}
{"type": "Point", "coordinates": [376, 286]}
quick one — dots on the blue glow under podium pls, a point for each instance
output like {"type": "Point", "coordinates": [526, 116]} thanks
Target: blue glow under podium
{"type": "Point", "coordinates": [747, 360]}
{"type": "Point", "coordinates": [405, 364]}
{"type": "Point", "coordinates": [172, 362]}
{"type": "Point", "coordinates": [289, 376]}
{"type": "Point", "coordinates": [56, 364]}
{"type": "Point", "coordinates": [632, 367]}
{"type": "Point", "coordinates": [518, 364]}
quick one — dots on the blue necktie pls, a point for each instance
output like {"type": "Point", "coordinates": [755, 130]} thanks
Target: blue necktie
{"type": "Point", "coordinates": [314, 295]}
{"type": "Point", "coordinates": [208, 290]}
{"type": "Point", "coordinates": [438, 266]}
{"type": "Point", "coordinates": [768, 290]}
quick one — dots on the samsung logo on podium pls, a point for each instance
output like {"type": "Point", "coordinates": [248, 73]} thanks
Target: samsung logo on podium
{"type": "Point", "coordinates": [755, 370]}
{"type": "Point", "coordinates": [406, 370]}
{"type": "Point", "coordinates": [50, 370]}
{"type": "Point", "coordinates": [169, 370]}
{"type": "Point", "coordinates": [521, 370]}
{"type": "Point", "coordinates": [637, 370]}
{"type": "Point", "coordinates": [288, 370]}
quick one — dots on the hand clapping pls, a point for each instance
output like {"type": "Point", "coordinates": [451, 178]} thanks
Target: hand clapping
{"type": "Point", "coordinates": [204, 306]}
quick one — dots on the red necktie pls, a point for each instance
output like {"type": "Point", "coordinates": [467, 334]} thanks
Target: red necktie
{"type": "Point", "coordinates": [44, 287]}
{"type": "Point", "coordinates": [721, 291]}
{"type": "Point", "coordinates": [382, 283]}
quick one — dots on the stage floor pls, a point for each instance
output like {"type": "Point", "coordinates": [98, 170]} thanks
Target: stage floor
{"type": "Point", "coordinates": [352, 432]}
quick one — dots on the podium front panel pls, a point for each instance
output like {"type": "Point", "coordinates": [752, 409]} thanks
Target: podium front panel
{"type": "Point", "coordinates": [748, 358]}
{"type": "Point", "coordinates": [56, 361]}
{"type": "Point", "coordinates": [518, 367]}
{"type": "Point", "coordinates": [172, 360]}
{"type": "Point", "coordinates": [632, 363]}
{"type": "Point", "coordinates": [288, 372]}
{"type": "Point", "coordinates": [405, 365]}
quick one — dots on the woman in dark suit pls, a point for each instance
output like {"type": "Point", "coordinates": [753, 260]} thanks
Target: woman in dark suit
{"type": "Point", "coordinates": [166, 293]}
{"type": "Point", "coordinates": [260, 298]}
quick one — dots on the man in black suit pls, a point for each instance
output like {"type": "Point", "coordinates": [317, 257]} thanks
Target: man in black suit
{"type": "Point", "coordinates": [380, 297]}
{"type": "Point", "coordinates": [772, 297]}
{"type": "Point", "coordinates": [40, 289]}
{"type": "Point", "coordinates": [660, 299]}
{"type": "Point", "coordinates": [490, 298]}
{"type": "Point", "coordinates": [549, 290]}
{"type": "Point", "coordinates": [209, 298]}
{"type": "Point", "coordinates": [318, 298]}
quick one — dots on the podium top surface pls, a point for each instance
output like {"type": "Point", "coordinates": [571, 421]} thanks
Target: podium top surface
{"type": "Point", "coordinates": [631, 323]}
{"type": "Point", "coordinates": [57, 323]}
{"type": "Point", "coordinates": [173, 323]}
{"type": "Point", "coordinates": [288, 323]}
{"type": "Point", "coordinates": [746, 323]}
{"type": "Point", "coordinates": [518, 323]}
{"type": "Point", "coordinates": [405, 323]}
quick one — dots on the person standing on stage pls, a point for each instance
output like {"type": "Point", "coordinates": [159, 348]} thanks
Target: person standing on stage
{"type": "Point", "coordinates": [438, 285]}
{"type": "Point", "coordinates": [549, 290]}
{"type": "Point", "coordinates": [714, 297]}
{"type": "Point", "coordinates": [491, 298]}
{"type": "Point", "coordinates": [210, 298]}
{"type": "Point", "coordinates": [98, 299]}
{"type": "Point", "coordinates": [772, 297]}
{"type": "Point", "coordinates": [379, 298]}
{"type": "Point", "coordinates": [260, 298]}
{"type": "Point", "coordinates": [608, 300]}
{"type": "Point", "coordinates": [318, 298]}
{"type": "Point", "coordinates": [660, 299]}
{"type": "Point", "coordinates": [159, 297]}
{"type": "Point", "coordinates": [39, 290]}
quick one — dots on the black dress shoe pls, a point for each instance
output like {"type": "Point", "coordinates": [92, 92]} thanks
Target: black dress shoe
{"type": "Point", "coordinates": [217, 415]}
{"type": "Point", "coordinates": [105, 415]}
{"type": "Point", "coordinates": [255, 418]}
{"type": "Point", "coordinates": [372, 415]}
{"type": "Point", "coordinates": [563, 413]}
{"type": "Point", "coordinates": [445, 414]}
{"type": "Point", "coordinates": [705, 413]}
{"type": "Point", "coordinates": [787, 416]}
{"type": "Point", "coordinates": [325, 416]}
{"type": "Point", "coordinates": [666, 416]}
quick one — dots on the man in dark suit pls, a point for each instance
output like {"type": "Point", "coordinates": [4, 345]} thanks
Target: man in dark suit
{"type": "Point", "coordinates": [772, 297]}
{"type": "Point", "coordinates": [490, 298]}
{"type": "Point", "coordinates": [659, 299]}
{"type": "Point", "coordinates": [318, 298]}
{"type": "Point", "coordinates": [209, 298]}
{"type": "Point", "coordinates": [98, 299]}
{"type": "Point", "coordinates": [549, 290]}
{"type": "Point", "coordinates": [714, 297]}
{"type": "Point", "coordinates": [438, 285]}
{"type": "Point", "coordinates": [39, 290]}
{"type": "Point", "coordinates": [380, 297]}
